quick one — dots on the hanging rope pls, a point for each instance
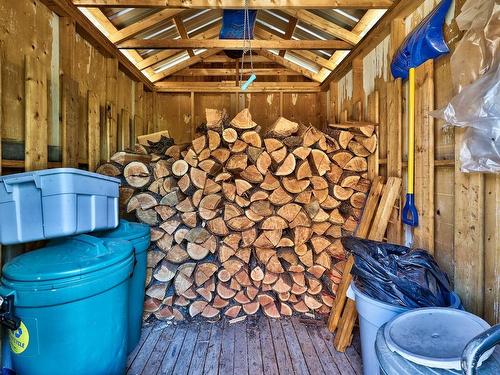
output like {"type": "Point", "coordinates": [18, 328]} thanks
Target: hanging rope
{"type": "Point", "coordinates": [247, 48]}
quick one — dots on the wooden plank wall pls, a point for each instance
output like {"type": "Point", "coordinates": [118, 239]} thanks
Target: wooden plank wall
{"type": "Point", "coordinates": [73, 73]}
{"type": "Point", "coordinates": [459, 212]}
{"type": "Point", "coordinates": [54, 93]}
{"type": "Point", "coordinates": [182, 113]}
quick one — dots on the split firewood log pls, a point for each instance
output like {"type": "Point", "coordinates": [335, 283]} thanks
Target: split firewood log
{"type": "Point", "coordinates": [242, 223]}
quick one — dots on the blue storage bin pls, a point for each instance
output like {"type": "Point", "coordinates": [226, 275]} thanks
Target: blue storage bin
{"type": "Point", "coordinates": [72, 300]}
{"type": "Point", "coordinates": [139, 236]}
{"type": "Point", "coordinates": [55, 203]}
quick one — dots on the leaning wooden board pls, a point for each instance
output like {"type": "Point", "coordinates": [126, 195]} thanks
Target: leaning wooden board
{"type": "Point", "coordinates": [373, 225]}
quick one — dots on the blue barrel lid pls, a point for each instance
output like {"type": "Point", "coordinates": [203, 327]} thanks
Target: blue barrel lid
{"type": "Point", "coordinates": [126, 231]}
{"type": "Point", "coordinates": [434, 336]}
{"type": "Point", "coordinates": [65, 258]}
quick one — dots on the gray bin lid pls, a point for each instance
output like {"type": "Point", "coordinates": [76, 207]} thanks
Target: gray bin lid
{"type": "Point", "coordinates": [435, 336]}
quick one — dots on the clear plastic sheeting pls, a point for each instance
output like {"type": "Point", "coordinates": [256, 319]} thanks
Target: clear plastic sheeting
{"type": "Point", "coordinates": [475, 70]}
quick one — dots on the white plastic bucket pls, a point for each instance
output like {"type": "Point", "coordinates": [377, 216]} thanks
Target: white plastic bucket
{"type": "Point", "coordinates": [374, 314]}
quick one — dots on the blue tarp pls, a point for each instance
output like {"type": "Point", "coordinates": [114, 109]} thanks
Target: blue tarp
{"type": "Point", "coordinates": [233, 28]}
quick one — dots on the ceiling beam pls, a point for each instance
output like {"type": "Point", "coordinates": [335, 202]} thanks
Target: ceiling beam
{"type": "Point", "coordinates": [200, 72]}
{"type": "Point", "coordinates": [292, 22]}
{"type": "Point", "coordinates": [233, 44]}
{"type": "Point", "coordinates": [237, 4]}
{"type": "Point", "coordinates": [226, 59]}
{"type": "Point", "coordinates": [328, 27]}
{"type": "Point", "coordinates": [143, 25]}
{"type": "Point", "coordinates": [185, 64]}
{"type": "Point", "coordinates": [96, 37]}
{"type": "Point", "coordinates": [232, 86]}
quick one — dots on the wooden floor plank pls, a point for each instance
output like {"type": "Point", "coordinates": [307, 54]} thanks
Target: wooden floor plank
{"type": "Point", "coordinates": [254, 350]}
{"type": "Point", "coordinates": [281, 349]}
{"type": "Point", "coordinates": [214, 350]}
{"type": "Point", "coordinates": [297, 357]}
{"type": "Point", "coordinates": [144, 335]}
{"type": "Point", "coordinates": [171, 354]}
{"type": "Point", "coordinates": [340, 359]}
{"type": "Point", "coordinates": [156, 357]}
{"type": "Point", "coordinates": [355, 359]}
{"type": "Point", "coordinates": [147, 348]}
{"type": "Point", "coordinates": [327, 361]}
{"type": "Point", "coordinates": [226, 361]}
{"type": "Point", "coordinates": [186, 351]}
{"type": "Point", "coordinates": [314, 364]}
{"type": "Point", "coordinates": [267, 347]}
{"type": "Point", "coordinates": [200, 349]}
{"type": "Point", "coordinates": [356, 340]}
{"type": "Point", "coordinates": [256, 346]}
{"type": "Point", "coordinates": [240, 349]}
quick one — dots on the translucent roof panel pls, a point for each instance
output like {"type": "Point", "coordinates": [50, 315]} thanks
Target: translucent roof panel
{"type": "Point", "coordinates": [123, 17]}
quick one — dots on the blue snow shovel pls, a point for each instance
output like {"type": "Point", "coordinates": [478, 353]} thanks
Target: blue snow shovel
{"type": "Point", "coordinates": [424, 43]}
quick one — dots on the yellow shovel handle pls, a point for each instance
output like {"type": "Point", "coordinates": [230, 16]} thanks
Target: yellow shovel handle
{"type": "Point", "coordinates": [411, 129]}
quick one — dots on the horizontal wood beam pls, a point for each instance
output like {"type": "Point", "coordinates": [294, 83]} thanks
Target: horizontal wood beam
{"type": "Point", "coordinates": [227, 59]}
{"type": "Point", "coordinates": [231, 86]}
{"type": "Point", "coordinates": [237, 4]}
{"type": "Point", "coordinates": [233, 44]}
{"type": "Point", "coordinates": [231, 72]}
{"type": "Point", "coordinates": [96, 37]}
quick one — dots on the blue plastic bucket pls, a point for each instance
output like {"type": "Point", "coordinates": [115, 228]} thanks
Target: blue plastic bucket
{"type": "Point", "coordinates": [72, 300]}
{"type": "Point", "coordinates": [139, 236]}
{"type": "Point", "coordinates": [373, 314]}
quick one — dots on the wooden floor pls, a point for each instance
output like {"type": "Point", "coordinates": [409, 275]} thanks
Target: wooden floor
{"type": "Point", "coordinates": [255, 346]}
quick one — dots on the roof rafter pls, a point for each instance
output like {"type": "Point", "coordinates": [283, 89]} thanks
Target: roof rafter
{"type": "Point", "coordinates": [185, 64]}
{"type": "Point", "coordinates": [292, 22]}
{"type": "Point", "coordinates": [237, 4]}
{"type": "Point", "coordinates": [232, 44]}
{"type": "Point", "coordinates": [308, 55]}
{"type": "Point", "coordinates": [287, 64]}
{"type": "Point", "coordinates": [181, 29]}
{"type": "Point", "coordinates": [143, 25]}
{"type": "Point", "coordinates": [108, 26]}
{"type": "Point", "coordinates": [166, 54]}
{"type": "Point", "coordinates": [325, 25]}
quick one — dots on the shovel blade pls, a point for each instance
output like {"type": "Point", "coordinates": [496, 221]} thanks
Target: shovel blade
{"type": "Point", "coordinates": [425, 42]}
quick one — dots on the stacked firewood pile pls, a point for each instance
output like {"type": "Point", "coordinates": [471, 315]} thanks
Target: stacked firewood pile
{"type": "Point", "coordinates": [242, 222]}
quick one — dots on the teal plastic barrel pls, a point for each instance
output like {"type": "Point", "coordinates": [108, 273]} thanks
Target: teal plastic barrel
{"type": "Point", "coordinates": [140, 236]}
{"type": "Point", "coordinates": [72, 299]}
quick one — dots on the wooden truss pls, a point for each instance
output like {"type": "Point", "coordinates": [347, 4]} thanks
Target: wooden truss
{"type": "Point", "coordinates": [282, 54]}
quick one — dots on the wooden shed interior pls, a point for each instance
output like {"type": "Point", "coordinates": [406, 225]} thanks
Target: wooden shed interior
{"type": "Point", "coordinates": [82, 79]}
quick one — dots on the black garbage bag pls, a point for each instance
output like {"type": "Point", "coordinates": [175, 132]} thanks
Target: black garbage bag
{"type": "Point", "coordinates": [397, 274]}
